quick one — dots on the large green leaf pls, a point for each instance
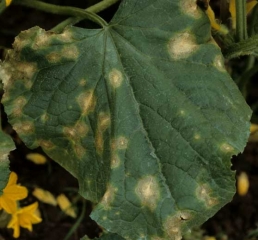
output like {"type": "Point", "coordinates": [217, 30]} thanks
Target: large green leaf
{"type": "Point", "coordinates": [142, 112]}
{"type": "Point", "coordinates": [6, 145]}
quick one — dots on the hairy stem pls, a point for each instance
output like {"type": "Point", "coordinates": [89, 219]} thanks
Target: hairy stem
{"type": "Point", "coordinates": [94, 9]}
{"type": "Point", "coordinates": [246, 47]}
{"type": "Point", "coordinates": [254, 20]}
{"type": "Point", "coordinates": [63, 10]}
{"type": "Point", "coordinates": [241, 25]}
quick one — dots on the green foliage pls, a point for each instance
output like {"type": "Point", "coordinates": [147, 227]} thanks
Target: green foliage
{"type": "Point", "coordinates": [106, 236]}
{"type": "Point", "coordinates": [141, 112]}
{"type": "Point", "coordinates": [6, 145]}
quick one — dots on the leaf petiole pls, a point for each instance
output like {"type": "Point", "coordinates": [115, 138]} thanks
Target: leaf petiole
{"type": "Point", "coordinates": [241, 25]}
{"type": "Point", "coordinates": [94, 9]}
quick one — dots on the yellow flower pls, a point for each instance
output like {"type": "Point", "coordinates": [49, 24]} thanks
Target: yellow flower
{"type": "Point", "coordinates": [66, 206]}
{"type": "Point", "coordinates": [253, 128]}
{"type": "Point", "coordinates": [242, 184]}
{"type": "Point", "coordinates": [232, 9]}
{"type": "Point", "coordinates": [7, 2]}
{"type": "Point", "coordinates": [24, 217]}
{"type": "Point", "coordinates": [214, 23]}
{"type": "Point", "coordinates": [36, 158]}
{"type": "Point", "coordinates": [250, 5]}
{"type": "Point", "coordinates": [11, 193]}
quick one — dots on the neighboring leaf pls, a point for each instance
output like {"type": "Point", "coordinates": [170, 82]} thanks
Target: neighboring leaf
{"type": "Point", "coordinates": [142, 112]}
{"type": "Point", "coordinates": [6, 145]}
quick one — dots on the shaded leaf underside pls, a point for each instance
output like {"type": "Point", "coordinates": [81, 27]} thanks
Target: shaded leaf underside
{"type": "Point", "coordinates": [6, 145]}
{"type": "Point", "coordinates": [142, 112]}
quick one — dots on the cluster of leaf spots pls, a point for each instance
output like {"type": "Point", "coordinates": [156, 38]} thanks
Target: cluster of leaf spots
{"type": "Point", "coordinates": [142, 112]}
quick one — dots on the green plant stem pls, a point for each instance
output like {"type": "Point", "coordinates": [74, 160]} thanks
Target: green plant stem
{"type": "Point", "coordinates": [94, 9]}
{"type": "Point", "coordinates": [246, 47]}
{"type": "Point", "coordinates": [62, 10]}
{"type": "Point", "coordinates": [77, 223]}
{"type": "Point", "coordinates": [254, 20]}
{"type": "Point", "coordinates": [241, 25]}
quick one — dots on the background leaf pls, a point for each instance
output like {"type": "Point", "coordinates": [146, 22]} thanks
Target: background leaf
{"type": "Point", "coordinates": [142, 112]}
{"type": "Point", "coordinates": [6, 145]}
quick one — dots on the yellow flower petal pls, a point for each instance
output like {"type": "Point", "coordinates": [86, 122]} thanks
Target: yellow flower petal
{"type": "Point", "coordinates": [14, 223]}
{"type": "Point", "coordinates": [210, 238]}
{"type": "Point", "coordinates": [242, 184]}
{"type": "Point", "coordinates": [250, 6]}
{"type": "Point", "coordinates": [16, 192]}
{"type": "Point", "coordinates": [24, 217]}
{"type": "Point", "coordinates": [36, 158]}
{"type": "Point", "coordinates": [232, 10]}
{"type": "Point", "coordinates": [12, 179]}
{"type": "Point", "coordinates": [7, 2]}
{"type": "Point", "coordinates": [9, 205]}
{"type": "Point", "coordinates": [66, 206]}
{"type": "Point", "coordinates": [44, 196]}
{"type": "Point", "coordinates": [214, 24]}
{"type": "Point", "coordinates": [253, 128]}
{"type": "Point", "coordinates": [12, 193]}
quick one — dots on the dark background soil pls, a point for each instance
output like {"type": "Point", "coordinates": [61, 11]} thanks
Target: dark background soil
{"type": "Point", "coordinates": [234, 221]}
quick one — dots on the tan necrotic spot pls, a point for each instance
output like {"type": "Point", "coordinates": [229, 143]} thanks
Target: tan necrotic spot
{"type": "Point", "coordinates": [108, 197]}
{"type": "Point", "coordinates": [70, 52]}
{"type": "Point", "coordinates": [19, 104]}
{"type": "Point", "coordinates": [104, 120]}
{"type": "Point", "coordinates": [46, 144]}
{"type": "Point", "coordinates": [53, 57]}
{"type": "Point", "coordinates": [115, 78]}
{"type": "Point", "coordinates": [190, 7]}
{"type": "Point", "coordinates": [226, 148]}
{"type": "Point", "coordinates": [99, 143]}
{"type": "Point", "coordinates": [172, 227]}
{"type": "Point", "coordinates": [156, 238]}
{"type": "Point", "coordinates": [82, 82]}
{"type": "Point", "coordinates": [148, 191]}
{"type": "Point", "coordinates": [102, 125]}
{"type": "Point", "coordinates": [26, 69]}
{"type": "Point", "coordinates": [87, 102]}
{"type": "Point", "coordinates": [24, 128]}
{"type": "Point", "coordinates": [204, 193]}
{"type": "Point", "coordinates": [185, 215]}
{"type": "Point", "coordinates": [197, 136]}
{"type": "Point", "coordinates": [42, 40]}
{"type": "Point", "coordinates": [120, 143]}
{"type": "Point", "coordinates": [44, 117]}
{"type": "Point", "coordinates": [66, 36]}
{"type": "Point", "coordinates": [182, 45]}
{"type": "Point", "coordinates": [79, 130]}
{"type": "Point", "coordinates": [115, 161]}
{"type": "Point", "coordinates": [20, 43]}
{"type": "Point", "coordinates": [219, 63]}
{"type": "Point", "coordinates": [79, 150]}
